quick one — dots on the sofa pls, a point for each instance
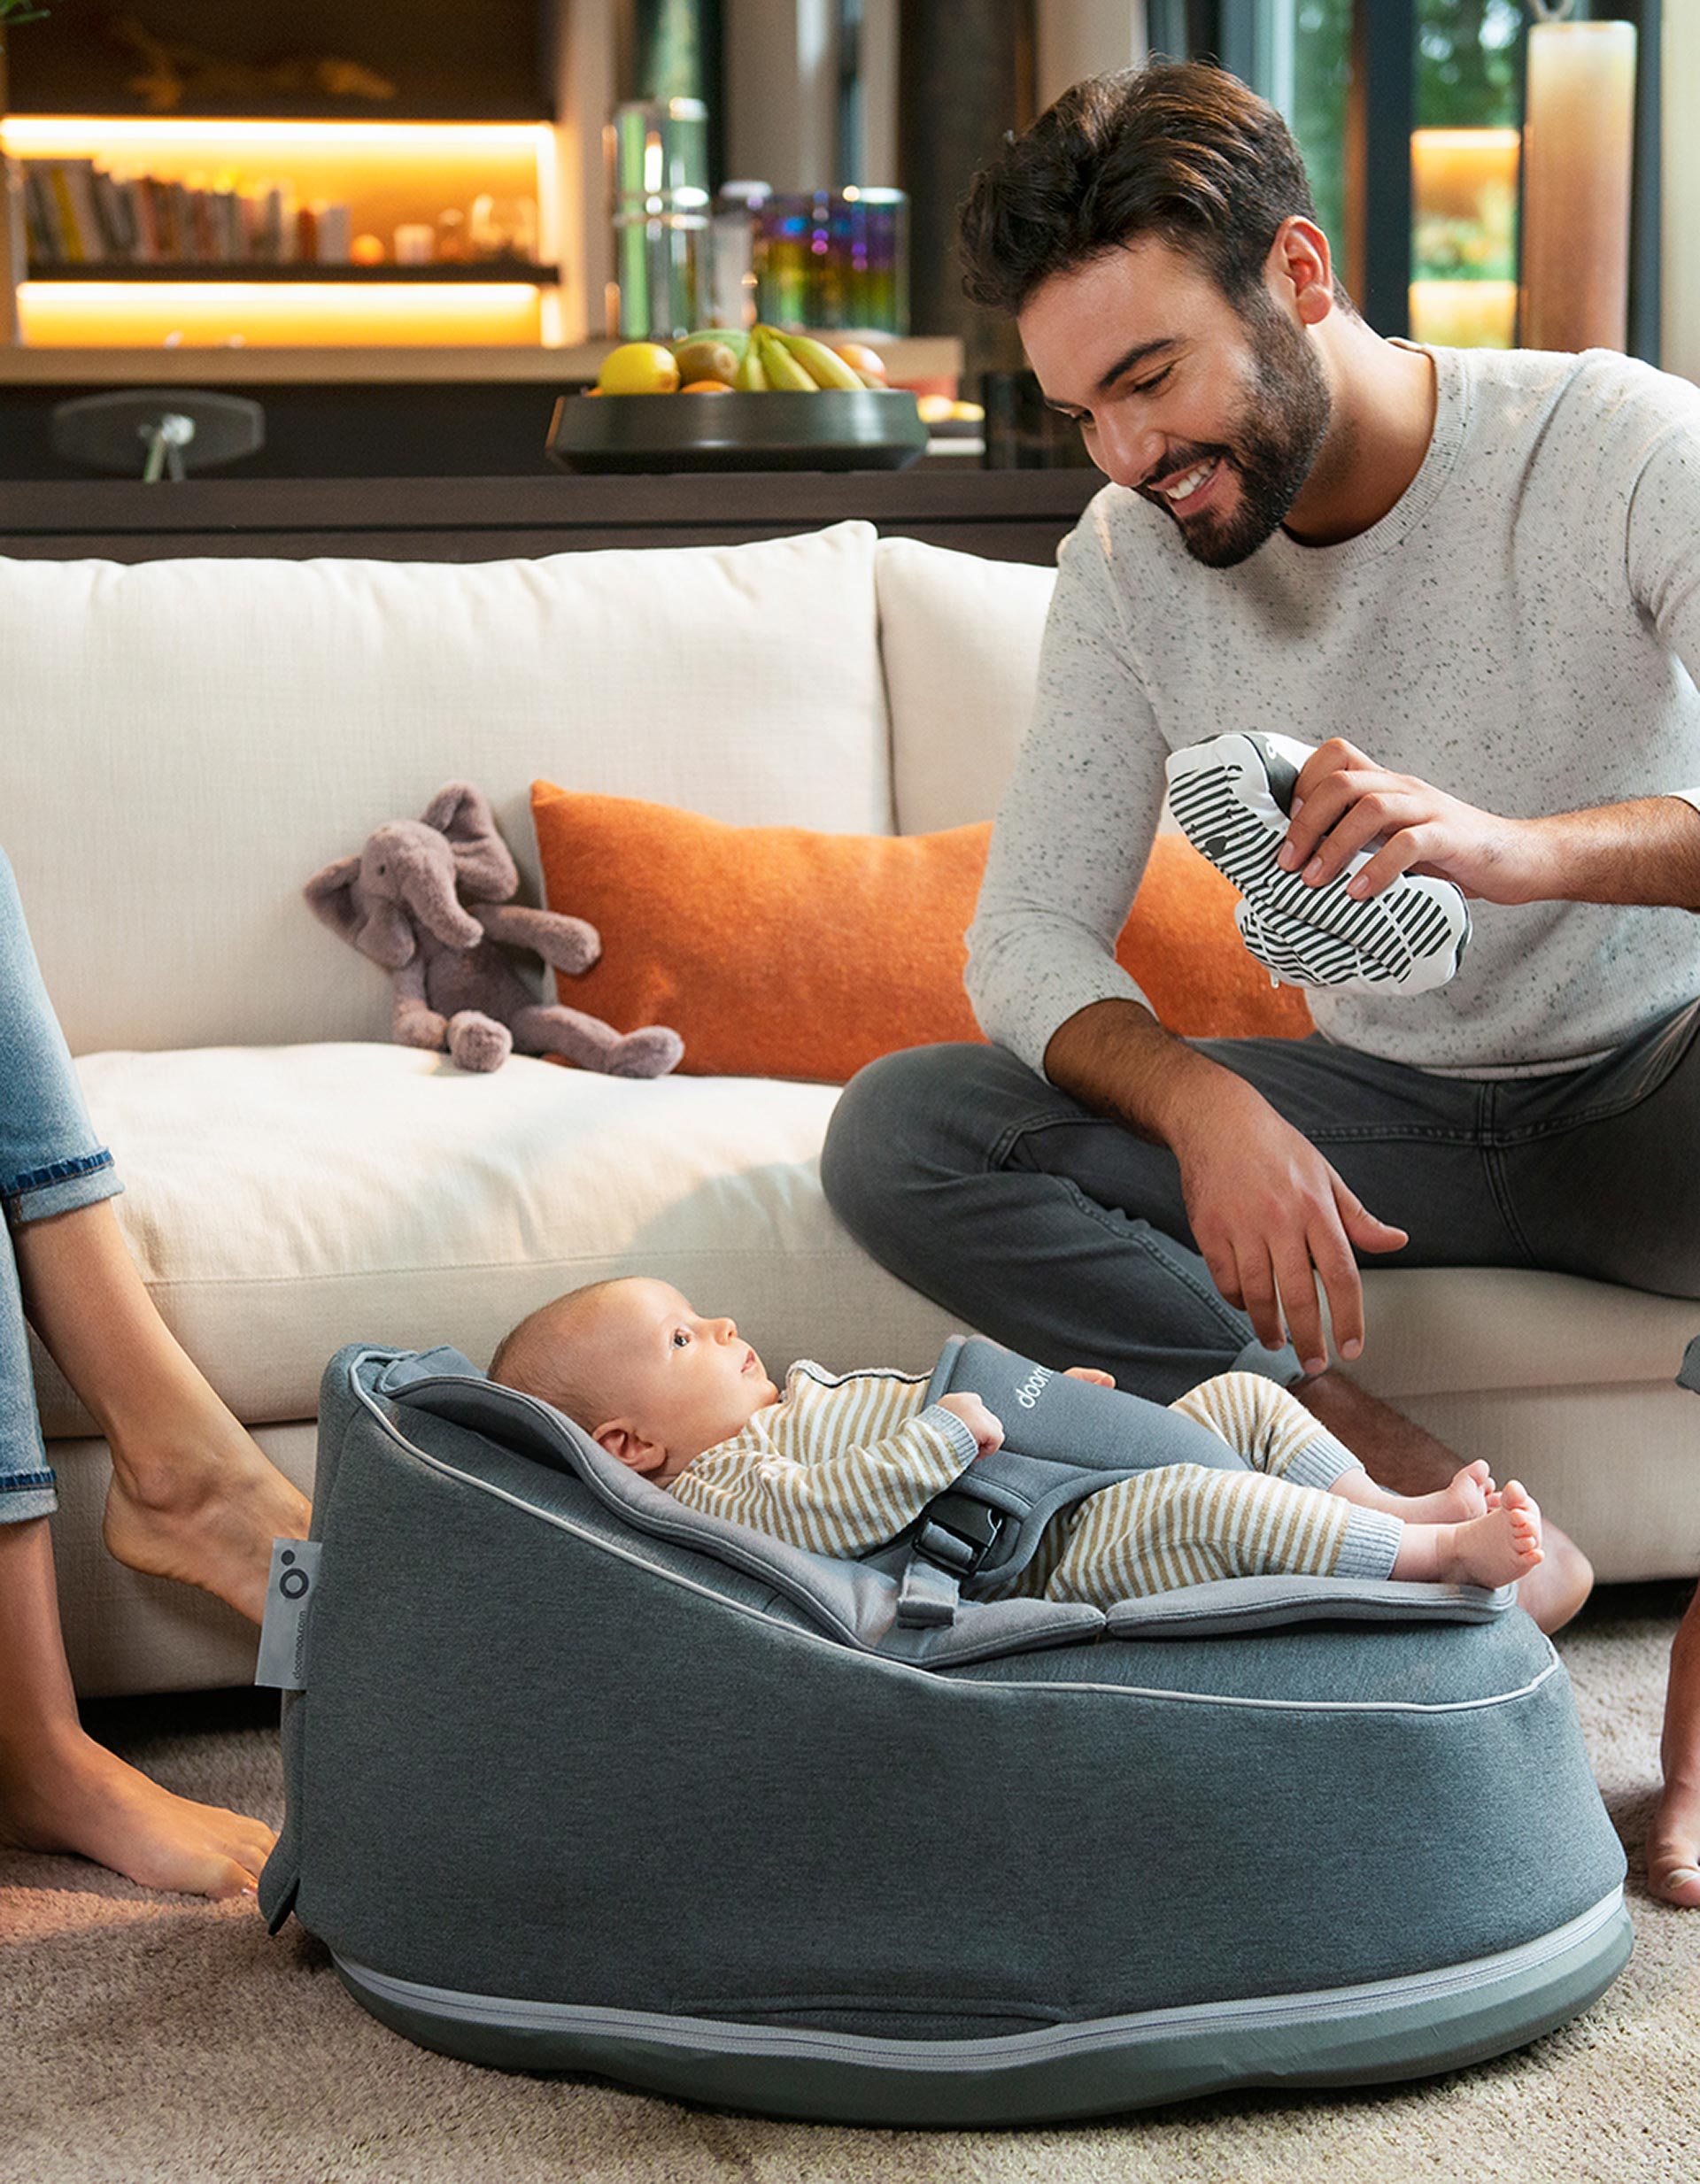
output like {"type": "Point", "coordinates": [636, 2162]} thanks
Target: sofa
{"type": "Point", "coordinates": [185, 742]}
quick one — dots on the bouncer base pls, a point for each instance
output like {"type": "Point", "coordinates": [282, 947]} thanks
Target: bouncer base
{"type": "Point", "coordinates": [1413, 2027]}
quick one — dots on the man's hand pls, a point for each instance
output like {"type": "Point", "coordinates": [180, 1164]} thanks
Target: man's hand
{"type": "Point", "coordinates": [987, 1429]}
{"type": "Point", "coordinates": [1090, 1373]}
{"type": "Point", "coordinates": [1344, 801]}
{"type": "Point", "coordinates": [1269, 1215]}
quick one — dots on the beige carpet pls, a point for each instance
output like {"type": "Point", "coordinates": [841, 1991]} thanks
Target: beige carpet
{"type": "Point", "coordinates": [152, 2038]}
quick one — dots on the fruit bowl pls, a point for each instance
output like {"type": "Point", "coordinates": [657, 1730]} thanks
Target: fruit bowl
{"type": "Point", "coordinates": [831, 428]}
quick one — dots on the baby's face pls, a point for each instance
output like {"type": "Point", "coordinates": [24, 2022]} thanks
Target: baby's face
{"type": "Point", "coordinates": [677, 1380]}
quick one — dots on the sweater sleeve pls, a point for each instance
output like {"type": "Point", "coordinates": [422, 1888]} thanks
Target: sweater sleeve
{"type": "Point", "coordinates": [840, 1504]}
{"type": "Point", "coordinates": [1075, 826]}
{"type": "Point", "coordinates": [1663, 545]}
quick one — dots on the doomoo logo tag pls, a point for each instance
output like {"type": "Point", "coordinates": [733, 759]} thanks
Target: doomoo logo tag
{"type": "Point", "coordinates": [1032, 1388]}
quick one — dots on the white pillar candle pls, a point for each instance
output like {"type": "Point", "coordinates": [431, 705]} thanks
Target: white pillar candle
{"type": "Point", "coordinates": [1579, 138]}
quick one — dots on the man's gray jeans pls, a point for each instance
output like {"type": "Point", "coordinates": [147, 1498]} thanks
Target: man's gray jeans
{"type": "Point", "coordinates": [1066, 1237]}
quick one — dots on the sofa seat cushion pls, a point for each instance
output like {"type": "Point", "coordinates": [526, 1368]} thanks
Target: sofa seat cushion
{"type": "Point", "coordinates": [284, 1200]}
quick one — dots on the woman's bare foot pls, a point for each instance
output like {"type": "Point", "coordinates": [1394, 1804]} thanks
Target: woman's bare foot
{"type": "Point", "coordinates": [1468, 1493]}
{"type": "Point", "coordinates": [1673, 1846]}
{"type": "Point", "coordinates": [76, 1796]}
{"type": "Point", "coordinates": [1492, 1550]}
{"type": "Point", "coordinates": [203, 1509]}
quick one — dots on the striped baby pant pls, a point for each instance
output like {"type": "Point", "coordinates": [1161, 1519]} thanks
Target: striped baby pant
{"type": "Point", "coordinates": [1183, 1524]}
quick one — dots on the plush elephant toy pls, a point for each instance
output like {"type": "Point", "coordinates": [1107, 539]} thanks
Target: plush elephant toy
{"type": "Point", "coordinates": [427, 898]}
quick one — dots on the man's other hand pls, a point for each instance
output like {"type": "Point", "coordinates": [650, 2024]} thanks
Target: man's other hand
{"type": "Point", "coordinates": [1269, 1216]}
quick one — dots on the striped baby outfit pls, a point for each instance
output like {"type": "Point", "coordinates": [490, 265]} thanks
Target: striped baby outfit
{"type": "Point", "coordinates": [845, 1460]}
{"type": "Point", "coordinates": [840, 1464]}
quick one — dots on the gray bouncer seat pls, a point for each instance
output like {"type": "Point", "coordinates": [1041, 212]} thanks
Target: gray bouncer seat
{"type": "Point", "coordinates": [580, 1780]}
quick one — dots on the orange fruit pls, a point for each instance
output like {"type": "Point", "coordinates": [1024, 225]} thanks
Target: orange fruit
{"type": "Point", "coordinates": [861, 359]}
{"type": "Point", "coordinates": [638, 367]}
{"type": "Point", "coordinates": [707, 386]}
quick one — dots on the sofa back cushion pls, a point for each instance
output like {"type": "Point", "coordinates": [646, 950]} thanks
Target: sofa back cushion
{"type": "Point", "coordinates": [960, 638]}
{"type": "Point", "coordinates": [183, 743]}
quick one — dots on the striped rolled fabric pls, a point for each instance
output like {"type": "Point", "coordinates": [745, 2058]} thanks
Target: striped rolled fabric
{"type": "Point", "coordinates": [1230, 797]}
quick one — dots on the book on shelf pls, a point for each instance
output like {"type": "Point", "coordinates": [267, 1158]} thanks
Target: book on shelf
{"type": "Point", "coordinates": [79, 213]}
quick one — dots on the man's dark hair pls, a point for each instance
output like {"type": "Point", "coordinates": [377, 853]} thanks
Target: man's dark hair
{"type": "Point", "coordinates": [1180, 149]}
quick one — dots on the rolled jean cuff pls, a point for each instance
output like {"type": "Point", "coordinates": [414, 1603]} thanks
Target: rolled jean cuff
{"type": "Point", "coordinates": [1281, 1366]}
{"type": "Point", "coordinates": [60, 1187]}
{"type": "Point", "coordinates": [30, 1494]}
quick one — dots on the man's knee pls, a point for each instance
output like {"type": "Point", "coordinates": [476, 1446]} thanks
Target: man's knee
{"type": "Point", "coordinates": [890, 1125]}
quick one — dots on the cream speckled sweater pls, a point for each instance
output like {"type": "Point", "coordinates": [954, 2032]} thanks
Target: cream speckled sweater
{"type": "Point", "coordinates": [1522, 630]}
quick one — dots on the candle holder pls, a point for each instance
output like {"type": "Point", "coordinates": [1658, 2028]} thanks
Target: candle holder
{"type": "Point", "coordinates": [1578, 134]}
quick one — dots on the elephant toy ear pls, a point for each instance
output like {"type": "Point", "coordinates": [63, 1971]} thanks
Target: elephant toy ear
{"type": "Point", "coordinates": [331, 894]}
{"type": "Point", "coordinates": [483, 869]}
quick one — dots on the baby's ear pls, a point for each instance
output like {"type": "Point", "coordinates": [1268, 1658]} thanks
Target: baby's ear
{"type": "Point", "coordinates": [630, 1447]}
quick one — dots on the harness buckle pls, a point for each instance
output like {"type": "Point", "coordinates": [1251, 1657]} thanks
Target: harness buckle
{"type": "Point", "coordinates": [959, 1532]}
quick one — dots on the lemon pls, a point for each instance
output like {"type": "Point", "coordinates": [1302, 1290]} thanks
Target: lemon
{"type": "Point", "coordinates": [638, 367]}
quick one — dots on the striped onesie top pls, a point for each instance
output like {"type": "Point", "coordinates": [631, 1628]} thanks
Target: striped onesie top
{"type": "Point", "coordinates": [840, 1464]}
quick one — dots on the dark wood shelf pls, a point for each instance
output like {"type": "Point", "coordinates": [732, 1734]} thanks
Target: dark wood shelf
{"type": "Point", "coordinates": [202, 269]}
{"type": "Point", "coordinates": [1015, 515]}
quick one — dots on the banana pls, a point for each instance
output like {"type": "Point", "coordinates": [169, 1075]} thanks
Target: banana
{"type": "Point", "coordinates": [825, 368]}
{"type": "Point", "coordinates": [784, 373]}
{"type": "Point", "coordinates": [751, 379]}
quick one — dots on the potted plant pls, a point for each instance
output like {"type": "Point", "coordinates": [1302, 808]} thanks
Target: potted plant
{"type": "Point", "coordinates": [14, 246]}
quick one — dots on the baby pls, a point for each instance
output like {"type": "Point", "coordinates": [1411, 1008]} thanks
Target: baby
{"type": "Point", "coordinates": [841, 1462]}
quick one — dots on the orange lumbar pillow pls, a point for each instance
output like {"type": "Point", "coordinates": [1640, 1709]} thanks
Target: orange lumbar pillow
{"type": "Point", "coordinates": [781, 951]}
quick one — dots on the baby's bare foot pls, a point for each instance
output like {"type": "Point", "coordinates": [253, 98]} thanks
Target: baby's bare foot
{"type": "Point", "coordinates": [82, 1799]}
{"type": "Point", "coordinates": [206, 1521]}
{"type": "Point", "coordinates": [1499, 1548]}
{"type": "Point", "coordinates": [1469, 1493]}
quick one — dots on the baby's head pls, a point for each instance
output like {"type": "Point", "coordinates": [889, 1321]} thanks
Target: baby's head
{"type": "Point", "coordinates": [648, 1377]}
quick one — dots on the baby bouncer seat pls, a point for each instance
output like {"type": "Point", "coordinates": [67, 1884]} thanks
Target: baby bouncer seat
{"type": "Point", "coordinates": [580, 1780]}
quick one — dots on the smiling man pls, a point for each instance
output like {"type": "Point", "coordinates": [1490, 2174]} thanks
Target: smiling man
{"type": "Point", "coordinates": [1473, 579]}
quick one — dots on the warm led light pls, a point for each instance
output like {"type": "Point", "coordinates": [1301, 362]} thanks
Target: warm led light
{"type": "Point", "coordinates": [81, 315]}
{"type": "Point", "coordinates": [48, 137]}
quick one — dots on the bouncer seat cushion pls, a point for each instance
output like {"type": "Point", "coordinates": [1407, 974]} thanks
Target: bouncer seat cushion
{"type": "Point", "coordinates": [566, 1792]}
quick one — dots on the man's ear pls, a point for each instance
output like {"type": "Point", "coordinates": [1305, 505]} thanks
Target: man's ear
{"type": "Point", "coordinates": [624, 1441]}
{"type": "Point", "coordinates": [1299, 254]}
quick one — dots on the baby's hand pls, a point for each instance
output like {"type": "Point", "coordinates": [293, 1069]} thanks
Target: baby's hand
{"type": "Point", "coordinates": [986, 1430]}
{"type": "Point", "coordinates": [1090, 1373]}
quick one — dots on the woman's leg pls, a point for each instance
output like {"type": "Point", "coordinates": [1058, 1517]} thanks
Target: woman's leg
{"type": "Point", "coordinates": [193, 1497]}
{"type": "Point", "coordinates": [60, 1791]}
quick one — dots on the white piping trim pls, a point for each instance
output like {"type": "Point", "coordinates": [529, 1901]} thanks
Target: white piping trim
{"type": "Point", "coordinates": [1261, 2013]}
{"type": "Point", "coordinates": [933, 1675]}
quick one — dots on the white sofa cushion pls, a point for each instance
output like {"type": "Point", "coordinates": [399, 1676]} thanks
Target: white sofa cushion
{"type": "Point", "coordinates": [183, 743]}
{"type": "Point", "coordinates": [282, 1201]}
{"type": "Point", "coordinates": [960, 638]}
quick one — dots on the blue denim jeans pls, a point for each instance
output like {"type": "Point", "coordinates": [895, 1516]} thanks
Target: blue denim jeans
{"type": "Point", "coordinates": [49, 1164]}
{"type": "Point", "coordinates": [1064, 1235]}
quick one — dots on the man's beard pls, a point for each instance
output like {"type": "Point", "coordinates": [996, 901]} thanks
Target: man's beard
{"type": "Point", "coordinates": [1279, 437]}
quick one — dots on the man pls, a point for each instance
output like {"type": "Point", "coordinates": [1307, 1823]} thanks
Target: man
{"type": "Point", "coordinates": [1473, 579]}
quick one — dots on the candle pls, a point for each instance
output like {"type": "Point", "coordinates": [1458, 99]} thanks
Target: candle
{"type": "Point", "coordinates": [1577, 152]}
